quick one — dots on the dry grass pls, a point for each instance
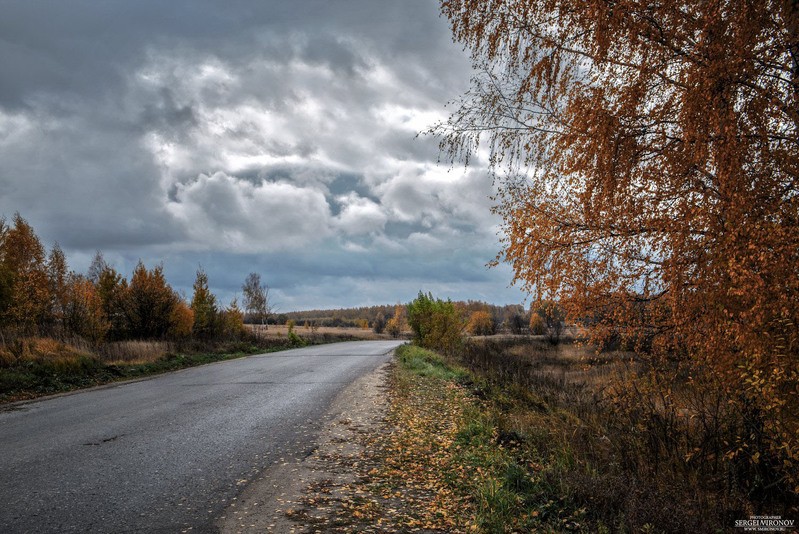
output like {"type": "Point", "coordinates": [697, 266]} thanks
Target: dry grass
{"type": "Point", "coordinates": [39, 349]}
{"type": "Point", "coordinates": [630, 439]}
{"type": "Point", "coordinates": [529, 361]}
{"type": "Point", "coordinates": [135, 351]}
{"type": "Point", "coordinates": [281, 331]}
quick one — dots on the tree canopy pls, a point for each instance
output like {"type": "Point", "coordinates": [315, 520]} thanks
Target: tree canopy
{"type": "Point", "coordinates": [646, 156]}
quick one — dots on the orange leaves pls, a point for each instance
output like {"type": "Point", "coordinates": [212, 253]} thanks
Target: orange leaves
{"type": "Point", "coordinates": [84, 309]}
{"type": "Point", "coordinates": [398, 322]}
{"type": "Point", "coordinates": [647, 158]}
{"type": "Point", "coordinates": [40, 296]}
{"type": "Point", "coordinates": [480, 324]}
{"type": "Point", "coordinates": [181, 320]}
{"type": "Point", "coordinates": [413, 482]}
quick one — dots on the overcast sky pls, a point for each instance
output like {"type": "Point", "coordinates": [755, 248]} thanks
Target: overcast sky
{"type": "Point", "coordinates": [248, 135]}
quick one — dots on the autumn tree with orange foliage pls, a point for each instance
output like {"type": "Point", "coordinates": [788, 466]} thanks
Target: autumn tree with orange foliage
{"type": "Point", "coordinates": [398, 322]}
{"type": "Point", "coordinates": [27, 299]}
{"type": "Point", "coordinates": [181, 320]}
{"type": "Point", "coordinates": [83, 309]}
{"type": "Point", "coordinates": [647, 157]}
{"type": "Point", "coordinates": [149, 303]}
{"type": "Point", "coordinates": [480, 323]}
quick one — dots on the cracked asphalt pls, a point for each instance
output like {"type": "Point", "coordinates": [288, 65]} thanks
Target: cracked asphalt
{"type": "Point", "coordinates": [168, 454]}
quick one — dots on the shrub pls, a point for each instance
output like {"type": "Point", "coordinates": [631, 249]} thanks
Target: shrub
{"type": "Point", "coordinates": [294, 339]}
{"type": "Point", "coordinates": [397, 323]}
{"type": "Point", "coordinates": [537, 327]}
{"type": "Point", "coordinates": [516, 324]}
{"type": "Point", "coordinates": [480, 324]}
{"type": "Point", "coordinates": [436, 324]}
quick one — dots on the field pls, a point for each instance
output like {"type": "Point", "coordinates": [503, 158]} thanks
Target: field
{"type": "Point", "coordinates": [321, 332]}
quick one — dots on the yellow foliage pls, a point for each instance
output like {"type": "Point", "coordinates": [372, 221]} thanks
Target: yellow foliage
{"type": "Point", "coordinates": [181, 320]}
{"type": "Point", "coordinates": [398, 323]}
{"type": "Point", "coordinates": [537, 326]}
{"type": "Point", "coordinates": [84, 314]}
{"type": "Point", "coordinates": [480, 324]}
{"type": "Point", "coordinates": [652, 189]}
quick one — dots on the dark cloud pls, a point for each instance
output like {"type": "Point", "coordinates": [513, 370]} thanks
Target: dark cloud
{"type": "Point", "coordinates": [253, 135]}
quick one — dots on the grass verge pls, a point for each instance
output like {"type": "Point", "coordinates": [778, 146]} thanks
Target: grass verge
{"type": "Point", "coordinates": [443, 465]}
{"type": "Point", "coordinates": [468, 451]}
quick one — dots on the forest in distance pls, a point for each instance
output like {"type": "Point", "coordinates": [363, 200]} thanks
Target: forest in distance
{"type": "Point", "coordinates": [39, 295]}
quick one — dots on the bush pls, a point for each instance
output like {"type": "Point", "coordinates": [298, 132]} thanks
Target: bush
{"type": "Point", "coordinates": [294, 339]}
{"type": "Point", "coordinates": [379, 324]}
{"type": "Point", "coordinates": [480, 324]}
{"type": "Point", "coordinates": [537, 327]}
{"type": "Point", "coordinates": [516, 324]}
{"type": "Point", "coordinates": [436, 324]}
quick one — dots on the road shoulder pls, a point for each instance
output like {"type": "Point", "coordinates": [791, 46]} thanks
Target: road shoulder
{"type": "Point", "coordinates": [281, 499]}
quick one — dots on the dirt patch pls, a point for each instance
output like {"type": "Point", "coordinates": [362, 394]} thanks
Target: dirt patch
{"type": "Point", "coordinates": [313, 494]}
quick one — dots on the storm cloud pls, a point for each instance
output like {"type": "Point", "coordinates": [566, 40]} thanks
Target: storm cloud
{"type": "Point", "coordinates": [278, 137]}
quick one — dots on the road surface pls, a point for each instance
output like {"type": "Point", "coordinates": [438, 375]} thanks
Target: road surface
{"type": "Point", "coordinates": [167, 454]}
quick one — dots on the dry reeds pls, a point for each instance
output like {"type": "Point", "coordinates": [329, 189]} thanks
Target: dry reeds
{"type": "Point", "coordinates": [135, 351]}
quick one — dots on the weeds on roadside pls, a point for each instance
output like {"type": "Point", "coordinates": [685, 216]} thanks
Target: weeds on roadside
{"type": "Point", "coordinates": [446, 466]}
{"type": "Point", "coordinates": [522, 436]}
{"type": "Point", "coordinates": [635, 444]}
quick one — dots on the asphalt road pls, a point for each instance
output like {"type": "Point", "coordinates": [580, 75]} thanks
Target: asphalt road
{"type": "Point", "coordinates": [170, 453]}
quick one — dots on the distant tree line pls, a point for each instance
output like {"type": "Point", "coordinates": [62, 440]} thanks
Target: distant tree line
{"type": "Point", "coordinates": [341, 317]}
{"type": "Point", "coordinates": [481, 318]}
{"type": "Point", "coordinates": [40, 295]}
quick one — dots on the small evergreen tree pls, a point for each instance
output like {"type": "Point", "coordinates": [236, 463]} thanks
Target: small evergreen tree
{"type": "Point", "coordinates": [233, 320]}
{"type": "Point", "coordinates": [203, 304]}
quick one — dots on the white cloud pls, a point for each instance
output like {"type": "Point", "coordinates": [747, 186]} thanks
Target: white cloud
{"type": "Point", "coordinates": [360, 215]}
{"type": "Point", "coordinates": [303, 123]}
{"type": "Point", "coordinates": [221, 212]}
